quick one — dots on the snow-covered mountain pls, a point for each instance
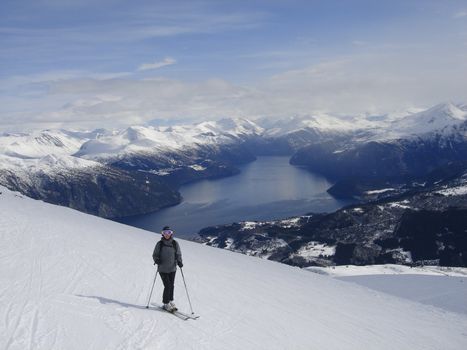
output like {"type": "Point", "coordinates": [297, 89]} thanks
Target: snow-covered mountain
{"type": "Point", "coordinates": [441, 119]}
{"type": "Point", "coordinates": [344, 132]}
{"type": "Point", "coordinates": [39, 144]}
{"type": "Point", "coordinates": [149, 139]}
{"type": "Point", "coordinates": [408, 147]}
{"type": "Point", "coordinates": [100, 144]}
{"type": "Point", "coordinates": [366, 127]}
{"type": "Point", "coordinates": [73, 281]}
{"type": "Point", "coordinates": [82, 169]}
{"type": "Point", "coordinates": [289, 134]}
{"type": "Point", "coordinates": [397, 145]}
{"type": "Point", "coordinates": [321, 122]}
{"type": "Point", "coordinates": [86, 185]}
{"type": "Point", "coordinates": [328, 124]}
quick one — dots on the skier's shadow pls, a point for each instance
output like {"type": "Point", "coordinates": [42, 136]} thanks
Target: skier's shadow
{"type": "Point", "coordinates": [105, 301]}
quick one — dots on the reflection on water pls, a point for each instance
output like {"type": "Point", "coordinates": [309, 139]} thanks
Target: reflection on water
{"type": "Point", "coordinates": [269, 188]}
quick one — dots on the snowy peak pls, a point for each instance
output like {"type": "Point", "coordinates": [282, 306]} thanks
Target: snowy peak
{"type": "Point", "coordinates": [317, 123]}
{"type": "Point", "coordinates": [38, 144]}
{"type": "Point", "coordinates": [437, 118]}
{"type": "Point", "coordinates": [151, 139]}
{"type": "Point", "coordinates": [142, 137]}
{"type": "Point", "coordinates": [132, 139]}
{"type": "Point", "coordinates": [239, 126]}
{"type": "Point", "coordinates": [394, 125]}
{"type": "Point", "coordinates": [236, 127]}
{"type": "Point", "coordinates": [45, 151]}
{"type": "Point", "coordinates": [457, 112]}
{"type": "Point", "coordinates": [133, 133]}
{"type": "Point", "coordinates": [102, 144]}
{"type": "Point", "coordinates": [443, 112]}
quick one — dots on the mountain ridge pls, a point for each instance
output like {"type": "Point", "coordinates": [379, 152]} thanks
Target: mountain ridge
{"type": "Point", "coordinates": [180, 154]}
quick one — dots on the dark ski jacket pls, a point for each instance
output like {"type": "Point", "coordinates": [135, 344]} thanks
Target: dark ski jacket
{"type": "Point", "coordinates": [167, 255]}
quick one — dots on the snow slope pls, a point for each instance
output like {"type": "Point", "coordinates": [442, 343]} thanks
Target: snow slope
{"type": "Point", "coordinates": [389, 269]}
{"type": "Point", "coordinates": [73, 281]}
{"type": "Point", "coordinates": [446, 292]}
{"type": "Point", "coordinates": [443, 287]}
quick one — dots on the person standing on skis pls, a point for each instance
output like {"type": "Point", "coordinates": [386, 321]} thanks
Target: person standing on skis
{"type": "Point", "coordinates": [167, 255]}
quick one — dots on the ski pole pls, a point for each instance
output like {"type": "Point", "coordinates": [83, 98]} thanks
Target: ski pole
{"type": "Point", "coordinates": [186, 290]}
{"type": "Point", "coordinates": [150, 294]}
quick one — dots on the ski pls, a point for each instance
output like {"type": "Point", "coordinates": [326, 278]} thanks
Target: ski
{"type": "Point", "coordinates": [179, 314]}
{"type": "Point", "coordinates": [192, 317]}
{"type": "Point", "coordinates": [176, 314]}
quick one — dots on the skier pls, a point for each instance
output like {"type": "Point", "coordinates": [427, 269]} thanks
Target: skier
{"type": "Point", "coordinates": [167, 256]}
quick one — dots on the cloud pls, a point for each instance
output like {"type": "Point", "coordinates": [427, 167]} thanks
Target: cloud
{"type": "Point", "coordinates": [158, 64]}
{"type": "Point", "coordinates": [93, 102]}
{"type": "Point", "coordinates": [460, 14]}
{"type": "Point", "coordinates": [378, 80]}
{"type": "Point", "coordinates": [369, 82]}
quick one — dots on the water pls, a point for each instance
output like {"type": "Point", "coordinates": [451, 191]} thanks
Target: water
{"type": "Point", "coordinates": [269, 188]}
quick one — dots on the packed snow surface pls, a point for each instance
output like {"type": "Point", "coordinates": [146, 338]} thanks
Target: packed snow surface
{"type": "Point", "coordinates": [446, 292]}
{"type": "Point", "coordinates": [73, 281]}
{"type": "Point", "coordinates": [443, 287]}
{"type": "Point", "coordinates": [389, 269]}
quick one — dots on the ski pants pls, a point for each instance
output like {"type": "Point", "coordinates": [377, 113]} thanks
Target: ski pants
{"type": "Point", "coordinates": [168, 279]}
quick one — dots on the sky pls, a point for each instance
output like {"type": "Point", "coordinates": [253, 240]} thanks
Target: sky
{"type": "Point", "coordinates": [112, 63]}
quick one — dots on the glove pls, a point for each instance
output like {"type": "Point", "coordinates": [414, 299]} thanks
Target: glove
{"type": "Point", "coordinates": [180, 264]}
{"type": "Point", "coordinates": [157, 262]}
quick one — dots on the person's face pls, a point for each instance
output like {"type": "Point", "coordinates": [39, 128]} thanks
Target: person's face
{"type": "Point", "coordinates": [167, 234]}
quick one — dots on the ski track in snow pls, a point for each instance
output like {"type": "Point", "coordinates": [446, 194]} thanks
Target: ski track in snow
{"type": "Point", "coordinates": [74, 281]}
